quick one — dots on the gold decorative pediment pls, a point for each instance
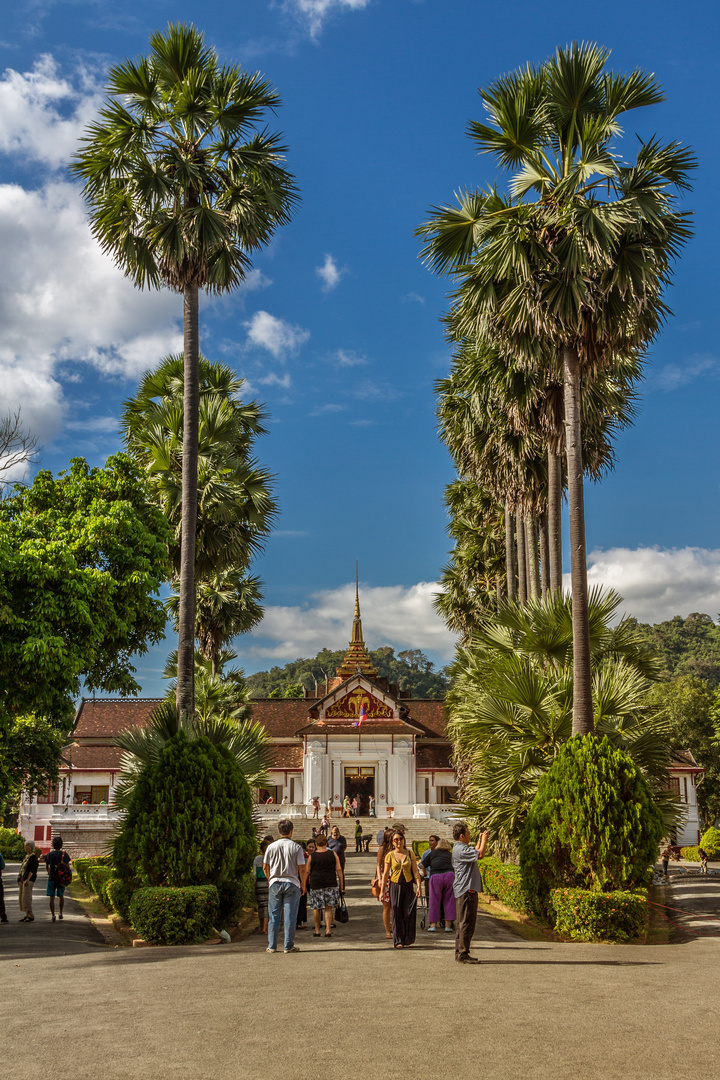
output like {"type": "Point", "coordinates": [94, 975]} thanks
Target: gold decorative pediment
{"type": "Point", "coordinates": [348, 707]}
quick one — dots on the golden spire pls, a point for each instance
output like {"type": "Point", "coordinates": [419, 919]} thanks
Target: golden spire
{"type": "Point", "coordinates": [357, 658]}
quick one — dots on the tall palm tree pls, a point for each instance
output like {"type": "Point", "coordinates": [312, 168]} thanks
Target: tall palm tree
{"type": "Point", "coordinates": [182, 187]}
{"type": "Point", "coordinates": [574, 262]}
{"type": "Point", "coordinates": [228, 603]}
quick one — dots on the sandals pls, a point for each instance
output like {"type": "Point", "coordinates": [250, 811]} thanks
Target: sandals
{"type": "Point", "coordinates": [328, 933]}
{"type": "Point", "coordinates": [316, 934]}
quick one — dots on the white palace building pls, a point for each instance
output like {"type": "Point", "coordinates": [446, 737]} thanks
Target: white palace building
{"type": "Point", "coordinates": [355, 735]}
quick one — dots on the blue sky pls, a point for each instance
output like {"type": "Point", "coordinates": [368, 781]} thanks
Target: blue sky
{"type": "Point", "coordinates": [337, 329]}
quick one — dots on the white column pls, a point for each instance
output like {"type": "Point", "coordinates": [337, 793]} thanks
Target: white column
{"type": "Point", "coordinates": [381, 792]}
{"type": "Point", "coordinates": [337, 791]}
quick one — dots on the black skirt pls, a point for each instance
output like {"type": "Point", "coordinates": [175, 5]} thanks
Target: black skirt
{"type": "Point", "coordinates": [403, 904]}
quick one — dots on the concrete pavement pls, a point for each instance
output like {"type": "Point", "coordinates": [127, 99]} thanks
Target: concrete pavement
{"type": "Point", "coordinates": [42, 938]}
{"type": "Point", "coordinates": [352, 1007]}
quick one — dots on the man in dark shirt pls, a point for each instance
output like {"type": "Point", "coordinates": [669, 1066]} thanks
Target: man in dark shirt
{"type": "Point", "coordinates": [54, 888]}
{"type": "Point", "coordinates": [466, 887]}
{"type": "Point", "coordinates": [338, 843]}
{"type": "Point", "coordinates": [3, 913]}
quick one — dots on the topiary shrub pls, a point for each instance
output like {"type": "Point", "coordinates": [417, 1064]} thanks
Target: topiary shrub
{"type": "Point", "coordinates": [504, 880]}
{"type": "Point", "coordinates": [168, 916]}
{"type": "Point", "coordinates": [690, 853]}
{"type": "Point", "coordinates": [234, 896]}
{"type": "Point", "coordinates": [82, 866]}
{"type": "Point", "coordinates": [12, 845]}
{"type": "Point", "coordinates": [97, 878]}
{"type": "Point", "coordinates": [119, 895]}
{"type": "Point", "coordinates": [710, 842]}
{"type": "Point", "coordinates": [598, 916]}
{"type": "Point", "coordinates": [189, 821]}
{"type": "Point", "coordinates": [592, 825]}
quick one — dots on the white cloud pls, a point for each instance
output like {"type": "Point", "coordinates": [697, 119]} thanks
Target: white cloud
{"type": "Point", "coordinates": [330, 273]}
{"type": "Point", "coordinates": [672, 376]}
{"type": "Point", "coordinates": [658, 583]}
{"type": "Point", "coordinates": [273, 379]}
{"type": "Point", "coordinates": [62, 299]}
{"type": "Point", "coordinates": [349, 358]}
{"type": "Point", "coordinates": [414, 298]}
{"type": "Point", "coordinates": [313, 13]}
{"type": "Point", "coordinates": [42, 114]}
{"type": "Point", "coordinates": [395, 615]}
{"type": "Point", "coordinates": [276, 335]}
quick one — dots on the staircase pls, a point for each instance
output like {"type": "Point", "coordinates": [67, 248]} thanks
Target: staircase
{"type": "Point", "coordinates": [414, 829]}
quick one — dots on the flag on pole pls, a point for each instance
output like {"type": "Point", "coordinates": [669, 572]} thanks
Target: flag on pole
{"type": "Point", "coordinates": [362, 716]}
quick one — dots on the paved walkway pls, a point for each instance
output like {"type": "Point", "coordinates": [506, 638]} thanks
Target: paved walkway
{"type": "Point", "coordinates": [692, 901]}
{"type": "Point", "coordinates": [354, 1007]}
{"type": "Point", "coordinates": [43, 938]}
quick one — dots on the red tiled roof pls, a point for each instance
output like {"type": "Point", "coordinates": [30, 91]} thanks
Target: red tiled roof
{"type": "Point", "coordinates": [433, 757]}
{"type": "Point", "coordinates": [431, 714]}
{"type": "Point", "coordinates": [109, 716]}
{"type": "Point", "coordinates": [106, 758]}
{"type": "Point", "coordinates": [282, 717]}
{"type": "Point", "coordinates": [369, 728]}
{"type": "Point", "coordinates": [287, 757]}
{"type": "Point", "coordinates": [684, 760]}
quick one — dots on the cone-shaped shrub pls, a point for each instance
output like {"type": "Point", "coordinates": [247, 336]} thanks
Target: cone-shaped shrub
{"type": "Point", "coordinates": [592, 825]}
{"type": "Point", "coordinates": [710, 842]}
{"type": "Point", "coordinates": [190, 819]}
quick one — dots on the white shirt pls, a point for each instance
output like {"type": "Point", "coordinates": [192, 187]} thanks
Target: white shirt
{"type": "Point", "coordinates": [283, 857]}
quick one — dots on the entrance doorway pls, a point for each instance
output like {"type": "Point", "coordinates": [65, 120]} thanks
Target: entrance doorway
{"type": "Point", "coordinates": [360, 785]}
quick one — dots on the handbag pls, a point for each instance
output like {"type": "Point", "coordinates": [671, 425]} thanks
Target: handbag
{"type": "Point", "coordinates": [341, 911]}
{"type": "Point", "coordinates": [375, 887]}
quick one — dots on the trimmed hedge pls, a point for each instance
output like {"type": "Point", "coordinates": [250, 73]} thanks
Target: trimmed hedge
{"type": "Point", "coordinates": [504, 880]}
{"type": "Point", "coordinates": [233, 896]}
{"type": "Point", "coordinates": [168, 916]}
{"type": "Point", "coordinates": [690, 853]}
{"type": "Point", "coordinates": [596, 916]}
{"type": "Point", "coordinates": [710, 842]}
{"type": "Point", "coordinates": [12, 845]}
{"type": "Point", "coordinates": [97, 878]}
{"type": "Point", "coordinates": [83, 865]}
{"type": "Point", "coordinates": [119, 895]}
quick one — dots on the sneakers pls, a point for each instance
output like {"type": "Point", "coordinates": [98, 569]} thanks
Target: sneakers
{"type": "Point", "coordinates": [295, 948]}
{"type": "Point", "coordinates": [449, 929]}
{"type": "Point", "coordinates": [52, 917]}
{"type": "Point", "coordinates": [270, 950]}
{"type": "Point", "coordinates": [432, 929]}
{"type": "Point", "coordinates": [467, 960]}
{"type": "Point", "coordinates": [60, 917]}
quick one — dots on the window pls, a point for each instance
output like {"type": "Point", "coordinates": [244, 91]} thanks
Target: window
{"type": "Point", "coordinates": [82, 794]}
{"type": "Point", "coordinates": [274, 792]}
{"type": "Point", "coordinates": [99, 794]}
{"type": "Point", "coordinates": [39, 833]}
{"type": "Point", "coordinates": [50, 797]}
{"type": "Point", "coordinates": [674, 786]}
{"type": "Point", "coordinates": [447, 795]}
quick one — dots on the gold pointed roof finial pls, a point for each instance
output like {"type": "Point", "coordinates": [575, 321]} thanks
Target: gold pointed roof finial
{"type": "Point", "coordinates": [357, 659]}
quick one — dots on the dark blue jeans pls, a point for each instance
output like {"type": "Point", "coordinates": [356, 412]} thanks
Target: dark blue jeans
{"type": "Point", "coordinates": [284, 896]}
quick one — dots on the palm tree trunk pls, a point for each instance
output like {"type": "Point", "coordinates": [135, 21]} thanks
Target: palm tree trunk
{"type": "Point", "coordinates": [531, 552]}
{"type": "Point", "coordinates": [191, 406]}
{"type": "Point", "coordinates": [544, 553]}
{"type": "Point", "coordinates": [522, 563]}
{"type": "Point", "coordinates": [582, 685]}
{"type": "Point", "coordinates": [555, 519]}
{"type": "Point", "coordinates": [510, 554]}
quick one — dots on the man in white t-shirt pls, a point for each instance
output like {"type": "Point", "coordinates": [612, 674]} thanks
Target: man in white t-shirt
{"type": "Point", "coordinates": [284, 868]}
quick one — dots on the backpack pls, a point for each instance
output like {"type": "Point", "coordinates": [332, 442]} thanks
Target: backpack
{"type": "Point", "coordinates": [63, 873]}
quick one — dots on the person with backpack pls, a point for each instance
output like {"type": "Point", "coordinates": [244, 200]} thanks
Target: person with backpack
{"type": "Point", "coordinates": [26, 881]}
{"type": "Point", "coordinates": [57, 862]}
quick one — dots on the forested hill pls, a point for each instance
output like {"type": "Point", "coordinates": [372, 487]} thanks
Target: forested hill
{"type": "Point", "coordinates": [687, 646]}
{"type": "Point", "coordinates": [411, 670]}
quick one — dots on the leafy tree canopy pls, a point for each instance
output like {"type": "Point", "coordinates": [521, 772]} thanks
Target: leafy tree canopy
{"type": "Point", "coordinates": [82, 556]}
{"type": "Point", "coordinates": [688, 646]}
{"type": "Point", "coordinates": [30, 748]}
{"type": "Point", "coordinates": [411, 670]}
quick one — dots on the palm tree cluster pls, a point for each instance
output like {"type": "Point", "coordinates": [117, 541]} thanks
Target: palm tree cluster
{"type": "Point", "coordinates": [511, 705]}
{"type": "Point", "coordinates": [183, 186]}
{"type": "Point", "coordinates": [560, 281]}
{"type": "Point", "coordinates": [235, 506]}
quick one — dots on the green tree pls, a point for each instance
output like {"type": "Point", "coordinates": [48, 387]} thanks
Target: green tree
{"type": "Point", "coordinates": [593, 823]}
{"type": "Point", "coordinates": [688, 646]}
{"type": "Point", "coordinates": [189, 820]}
{"type": "Point", "coordinates": [510, 706]}
{"type": "Point", "coordinates": [572, 264]}
{"type": "Point", "coordinates": [82, 558]}
{"type": "Point", "coordinates": [30, 748]}
{"type": "Point", "coordinates": [182, 188]}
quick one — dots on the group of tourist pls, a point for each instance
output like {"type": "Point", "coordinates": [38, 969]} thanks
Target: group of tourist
{"type": "Point", "coordinates": [28, 876]}
{"type": "Point", "coordinates": [350, 807]}
{"type": "Point", "coordinates": [291, 878]}
{"type": "Point", "coordinates": [454, 884]}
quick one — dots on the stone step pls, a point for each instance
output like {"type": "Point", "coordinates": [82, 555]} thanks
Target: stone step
{"type": "Point", "coordinates": [414, 829]}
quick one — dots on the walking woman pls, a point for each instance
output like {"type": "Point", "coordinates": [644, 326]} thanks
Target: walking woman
{"type": "Point", "coordinates": [405, 887]}
{"type": "Point", "coordinates": [323, 875]}
{"type": "Point", "coordinates": [384, 886]}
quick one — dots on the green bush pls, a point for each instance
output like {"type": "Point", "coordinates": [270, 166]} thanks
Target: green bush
{"type": "Point", "coordinates": [690, 853]}
{"type": "Point", "coordinates": [711, 842]}
{"type": "Point", "coordinates": [599, 916]}
{"type": "Point", "coordinates": [119, 895]}
{"type": "Point", "coordinates": [189, 821]}
{"type": "Point", "coordinates": [234, 896]}
{"type": "Point", "coordinates": [168, 916]}
{"type": "Point", "coordinates": [592, 825]}
{"type": "Point", "coordinates": [81, 866]}
{"type": "Point", "coordinates": [505, 881]}
{"type": "Point", "coordinates": [12, 845]}
{"type": "Point", "coordinates": [96, 879]}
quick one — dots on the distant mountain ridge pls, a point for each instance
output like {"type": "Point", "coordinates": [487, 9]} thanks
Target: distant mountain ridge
{"type": "Point", "coordinates": [411, 670]}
